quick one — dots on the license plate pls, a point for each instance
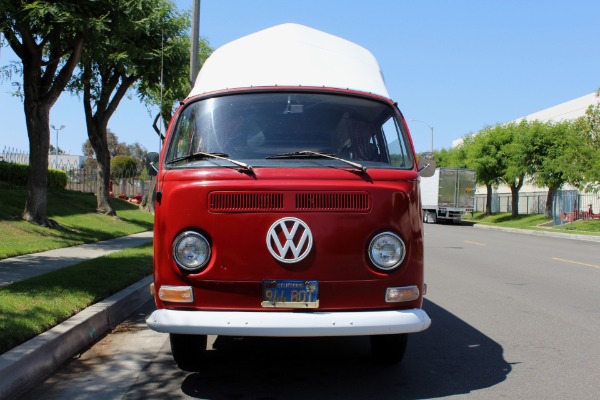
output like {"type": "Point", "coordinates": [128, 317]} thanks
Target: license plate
{"type": "Point", "coordinates": [290, 294]}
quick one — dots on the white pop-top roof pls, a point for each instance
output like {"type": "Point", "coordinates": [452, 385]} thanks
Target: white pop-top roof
{"type": "Point", "coordinates": [291, 55]}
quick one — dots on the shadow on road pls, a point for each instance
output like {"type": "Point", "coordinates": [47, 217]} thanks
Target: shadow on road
{"type": "Point", "coordinates": [450, 358]}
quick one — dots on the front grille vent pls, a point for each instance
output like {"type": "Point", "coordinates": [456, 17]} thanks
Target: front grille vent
{"type": "Point", "coordinates": [245, 201]}
{"type": "Point", "coordinates": [276, 201]}
{"type": "Point", "coordinates": [333, 201]}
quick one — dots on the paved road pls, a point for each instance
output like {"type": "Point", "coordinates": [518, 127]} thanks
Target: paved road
{"type": "Point", "coordinates": [514, 316]}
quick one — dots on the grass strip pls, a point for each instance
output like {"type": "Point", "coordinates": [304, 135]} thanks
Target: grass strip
{"type": "Point", "coordinates": [32, 306]}
{"type": "Point", "coordinates": [536, 222]}
{"type": "Point", "coordinates": [75, 211]}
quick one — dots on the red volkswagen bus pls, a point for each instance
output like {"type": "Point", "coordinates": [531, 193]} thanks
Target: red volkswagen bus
{"type": "Point", "coordinates": [288, 200]}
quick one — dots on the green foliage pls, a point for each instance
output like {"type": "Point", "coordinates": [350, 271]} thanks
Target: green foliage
{"type": "Point", "coordinates": [454, 157]}
{"type": "Point", "coordinates": [57, 179]}
{"type": "Point", "coordinates": [589, 127]}
{"type": "Point", "coordinates": [554, 153]}
{"type": "Point", "coordinates": [47, 37]}
{"type": "Point", "coordinates": [121, 166]}
{"type": "Point", "coordinates": [175, 84]}
{"type": "Point", "coordinates": [483, 154]}
{"type": "Point", "coordinates": [16, 174]}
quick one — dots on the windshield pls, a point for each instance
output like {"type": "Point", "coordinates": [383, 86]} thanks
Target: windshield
{"type": "Point", "coordinates": [258, 127]}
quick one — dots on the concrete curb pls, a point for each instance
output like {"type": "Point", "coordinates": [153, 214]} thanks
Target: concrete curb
{"type": "Point", "coordinates": [28, 364]}
{"type": "Point", "coordinates": [570, 236]}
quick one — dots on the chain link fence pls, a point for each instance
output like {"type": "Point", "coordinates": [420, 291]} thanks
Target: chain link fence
{"type": "Point", "coordinates": [582, 205]}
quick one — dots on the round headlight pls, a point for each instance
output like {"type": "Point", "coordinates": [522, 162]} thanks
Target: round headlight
{"type": "Point", "coordinates": [387, 251]}
{"type": "Point", "coordinates": [191, 250]}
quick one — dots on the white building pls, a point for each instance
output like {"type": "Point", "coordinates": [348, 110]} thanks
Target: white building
{"type": "Point", "coordinates": [566, 111]}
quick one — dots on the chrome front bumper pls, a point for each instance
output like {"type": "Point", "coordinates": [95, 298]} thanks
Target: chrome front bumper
{"type": "Point", "coordinates": [288, 324]}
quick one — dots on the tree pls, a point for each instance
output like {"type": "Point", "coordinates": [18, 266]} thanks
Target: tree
{"type": "Point", "coordinates": [114, 148]}
{"type": "Point", "coordinates": [113, 63]}
{"type": "Point", "coordinates": [138, 152]}
{"type": "Point", "coordinates": [117, 149]}
{"type": "Point", "coordinates": [52, 150]}
{"type": "Point", "coordinates": [514, 150]}
{"type": "Point", "coordinates": [175, 85]}
{"type": "Point", "coordinates": [483, 155]}
{"type": "Point", "coordinates": [557, 156]}
{"type": "Point", "coordinates": [167, 92]}
{"type": "Point", "coordinates": [48, 38]}
{"type": "Point", "coordinates": [589, 130]}
{"type": "Point", "coordinates": [122, 166]}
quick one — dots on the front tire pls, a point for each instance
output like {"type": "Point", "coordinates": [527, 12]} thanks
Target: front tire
{"type": "Point", "coordinates": [188, 350]}
{"type": "Point", "coordinates": [388, 349]}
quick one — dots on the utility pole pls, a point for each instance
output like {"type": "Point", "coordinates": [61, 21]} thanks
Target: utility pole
{"type": "Point", "coordinates": [430, 127]}
{"type": "Point", "coordinates": [194, 53]}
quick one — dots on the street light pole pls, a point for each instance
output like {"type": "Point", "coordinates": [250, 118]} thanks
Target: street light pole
{"type": "Point", "coordinates": [430, 127]}
{"type": "Point", "coordinates": [56, 150]}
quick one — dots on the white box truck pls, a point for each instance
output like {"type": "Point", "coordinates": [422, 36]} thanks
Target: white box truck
{"type": "Point", "coordinates": [448, 194]}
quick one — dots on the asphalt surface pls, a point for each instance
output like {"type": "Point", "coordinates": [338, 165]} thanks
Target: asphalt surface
{"type": "Point", "coordinates": [30, 363]}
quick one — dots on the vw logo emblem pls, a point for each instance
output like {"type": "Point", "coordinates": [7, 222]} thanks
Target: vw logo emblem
{"type": "Point", "coordinates": [289, 240]}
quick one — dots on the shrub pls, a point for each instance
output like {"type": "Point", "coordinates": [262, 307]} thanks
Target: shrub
{"type": "Point", "coordinates": [123, 166]}
{"type": "Point", "coordinates": [57, 179]}
{"type": "Point", "coordinates": [16, 174]}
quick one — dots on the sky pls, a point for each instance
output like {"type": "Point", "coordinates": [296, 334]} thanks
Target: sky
{"type": "Point", "coordinates": [456, 66]}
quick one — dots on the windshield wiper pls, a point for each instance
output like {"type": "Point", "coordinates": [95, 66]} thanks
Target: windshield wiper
{"type": "Point", "coordinates": [310, 153]}
{"type": "Point", "coordinates": [202, 155]}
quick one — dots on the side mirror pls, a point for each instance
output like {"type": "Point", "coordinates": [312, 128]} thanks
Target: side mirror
{"type": "Point", "coordinates": [426, 165]}
{"type": "Point", "coordinates": [151, 163]}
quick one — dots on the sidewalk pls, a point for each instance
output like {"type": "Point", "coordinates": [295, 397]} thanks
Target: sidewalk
{"type": "Point", "coordinates": [26, 365]}
{"type": "Point", "coordinates": [27, 266]}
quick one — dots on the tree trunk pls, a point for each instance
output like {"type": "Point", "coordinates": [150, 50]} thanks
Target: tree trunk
{"type": "Point", "coordinates": [37, 116]}
{"type": "Point", "coordinates": [550, 202]}
{"type": "Point", "coordinates": [149, 197]}
{"type": "Point", "coordinates": [97, 122]}
{"type": "Point", "coordinates": [514, 201]}
{"type": "Point", "coordinates": [515, 187]}
{"type": "Point", "coordinates": [42, 85]}
{"type": "Point", "coordinates": [488, 200]}
{"type": "Point", "coordinates": [99, 141]}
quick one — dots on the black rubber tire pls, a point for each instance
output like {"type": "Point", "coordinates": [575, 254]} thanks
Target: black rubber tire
{"type": "Point", "coordinates": [388, 349]}
{"type": "Point", "coordinates": [188, 351]}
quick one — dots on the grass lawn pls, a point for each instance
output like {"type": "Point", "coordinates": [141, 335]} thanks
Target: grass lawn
{"type": "Point", "coordinates": [75, 212]}
{"type": "Point", "coordinates": [32, 306]}
{"type": "Point", "coordinates": [536, 222]}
